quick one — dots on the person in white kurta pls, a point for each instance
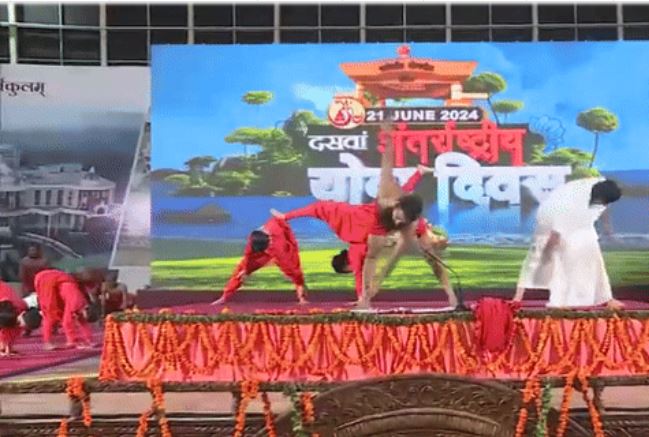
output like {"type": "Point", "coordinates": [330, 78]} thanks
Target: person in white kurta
{"type": "Point", "coordinates": [565, 257]}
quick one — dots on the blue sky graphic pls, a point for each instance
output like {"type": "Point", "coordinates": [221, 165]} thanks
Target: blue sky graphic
{"type": "Point", "coordinates": [197, 90]}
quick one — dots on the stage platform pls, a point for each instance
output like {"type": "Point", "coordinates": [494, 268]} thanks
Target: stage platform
{"type": "Point", "coordinates": [327, 342]}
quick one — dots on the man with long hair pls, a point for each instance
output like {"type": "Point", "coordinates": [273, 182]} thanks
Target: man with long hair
{"type": "Point", "coordinates": [365, 227]}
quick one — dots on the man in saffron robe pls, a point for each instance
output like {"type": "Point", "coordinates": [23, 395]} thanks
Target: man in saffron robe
{"type": "Point", "coordinates": [565, 257]}
{"type": "Point", "coordinates": [61, 300]}
{"type": "Point", "coordinates": [273, 243]}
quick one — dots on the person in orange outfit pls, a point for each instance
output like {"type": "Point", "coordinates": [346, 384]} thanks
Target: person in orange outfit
{"type": "Point", "coordinates": [354, 224]}
{"type": "Point", "coordinates": [14, 316]}
{"type": "Point", "coordinates": [274, 243]}
{"type": "Point", "coordinates": [61, 300]}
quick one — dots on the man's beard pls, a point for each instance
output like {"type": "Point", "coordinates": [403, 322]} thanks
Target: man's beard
{"type": "Point", "coordinates": [385, 216]}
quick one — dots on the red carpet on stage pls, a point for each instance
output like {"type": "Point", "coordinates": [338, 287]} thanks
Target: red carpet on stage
{"type": "Point", "coordinates": [325, 342]}
{"type": "Point", "coordinates": [32, 357]}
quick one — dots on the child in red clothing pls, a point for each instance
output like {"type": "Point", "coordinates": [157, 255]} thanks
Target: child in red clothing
{"type": "Point", "coordinates": [61, 300]}
{"type": "Point", "coordinates": [14, 316]}
{"type": "Point", "coordinates": [274, 243]}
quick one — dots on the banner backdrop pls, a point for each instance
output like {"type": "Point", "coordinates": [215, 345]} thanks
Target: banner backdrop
{"type": "Point", "coordinates": [239, 130]}
{"type": "Point", "coordinates": [68, 140]}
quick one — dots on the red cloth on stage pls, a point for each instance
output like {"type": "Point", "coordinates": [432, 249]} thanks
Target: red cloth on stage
{"type": "Point", "coordinates": [282, 250]}
{"type": "Point", "coordinates": [495, 323]}
{"type": "Point", "coordinates": [60, 299]}
{"type": "Point", "coordinates": [7, 294]}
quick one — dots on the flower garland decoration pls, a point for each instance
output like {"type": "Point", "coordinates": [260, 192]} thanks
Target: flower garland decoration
{"type": "Point", "coordinates": [564, 411]}
{"type": "Point", "coordinates": [308, 410]}
{"type": "Point", "coordinates": [63, 429]}
{"type": "Point", "coordinates": [297, 415]}
{"type": "Point", "coordinates": [76, 393]}
{"type": "Point", "coordinates": [249, 391]}
{"type": "Point", "coordinates": [155, 387]}
{"type": "Point", "coordinates": [528, 395]}
{"type": "Point", "coordinates": [269, 421]}
{"type": "Point", "coordinates": [595, 418]}
{"type": "Point", "coordinates": [541, 429]}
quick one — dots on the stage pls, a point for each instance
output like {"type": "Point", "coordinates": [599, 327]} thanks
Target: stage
{"type": "Point", "coordinates": [279, 341]}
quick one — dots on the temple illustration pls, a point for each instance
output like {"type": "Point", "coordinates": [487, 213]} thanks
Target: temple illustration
{"type": "Point", "coordinates": [50, 198]}
{"type": "Point", "coordinates": [408, 77]}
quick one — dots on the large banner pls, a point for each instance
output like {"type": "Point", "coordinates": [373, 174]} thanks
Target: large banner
{"type": "Point", "coordinates": [68, 138]}
{"type": "Point", "coordinates": [239, 130]}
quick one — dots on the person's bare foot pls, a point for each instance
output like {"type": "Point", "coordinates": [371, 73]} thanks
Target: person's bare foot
{"type": "Point", "coordinates": [278, 215]}
{"type": "Point", "coordinates": [302, 302]}
{"type": "Point", "coordinates": [49, 347]}
{"type": "Point", "coordinates": [452, 302]}
{"type": "Point", "coordinates": [614, 304]}
{"type": "Point", "coordinates": [363, 304]}
{"type": "Point", "coordinates": [220, 301]}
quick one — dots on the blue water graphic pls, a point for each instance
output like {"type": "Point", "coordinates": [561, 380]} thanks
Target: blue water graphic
{"type": "Point", "coordinates": [629, 216]}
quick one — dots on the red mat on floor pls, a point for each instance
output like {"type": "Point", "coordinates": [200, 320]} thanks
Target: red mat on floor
{"type": "Point", "coordinates": [32, 357]}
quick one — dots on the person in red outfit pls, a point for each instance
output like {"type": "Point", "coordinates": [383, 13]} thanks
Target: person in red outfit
{"type": "Point", "coordinates": [61, 300]}
{"type": "Point", "coordinates": [354, 224]}
{"type": "Point", "coordinates": [274, 243]}
{"type": "Point", "coordinates": [14, 315]}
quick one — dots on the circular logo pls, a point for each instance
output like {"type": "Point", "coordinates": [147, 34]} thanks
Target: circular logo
{"type": "Point", "coordinates": [346, 113]}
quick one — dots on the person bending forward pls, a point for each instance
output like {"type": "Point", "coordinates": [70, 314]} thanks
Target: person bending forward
{"type": "Point", "coordinates": [274, 243]}
{"type": "Point", "coordinates": [565, 256]}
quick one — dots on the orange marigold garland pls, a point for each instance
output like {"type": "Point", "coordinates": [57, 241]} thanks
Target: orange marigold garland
{"type": "Point", "coordinates": [564, 412]}
{"type": "Point", "coordinates": [269, 421]}
{"type": "Point", "coordinates": [155, 387]}
{"type": "Point", "coordinates": [76, 392]}
{"type": "Point", "coordinates": [63, 429]}
{"type": "Point", "coordinates": [528, 394]}
{"type": "Point", "coordinates": [308, 410]}
{"type": "Point", "coordinates": [249, 391]}
{"type": "Point", "coordinates": [595, 418]}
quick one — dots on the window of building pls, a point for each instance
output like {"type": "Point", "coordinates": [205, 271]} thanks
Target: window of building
{"type": "Point", "coordinates": [298, 36]}
{"type": "Point", "coordinates": [511, 14]}
{"type": "Point", "coordinates": [254, 15]}
{"type": "Point", "coordinates": [470, 35]}
{"type": "Point", "coordinates": [126, 15]}
{"type": "Point", "coordinates": [635, 13]}
{"type": "Point", "coordinates": [425, 35]}
{"type": "Point", "coordinates": [48, 197]}
{"type": "Point", "coordinates": [596, 14]}
{"type": "Point", "coordinates": [384, 35]}
{"type": "Point", "coordinates": [425, 15]}
{"type": "Point", "coordinates": [213, 15]}
{"type": "Point", "coordinates": [81, 15]}
{"type": "Point", "coordinates": [81, 47]}
{"type": "Point", "coordinates": [340, 35]}
{"type": "Point", "coordinates": [37, 197]}
{"type": "Point", "coordinates": [168, 15]}
{"type": "Point", "coordinates": [384, 15]}
{"type": "Point", "coordinates": [556, 14]}
{"type": "Point", "coordinates": [470, 14]}
{"type": "Point", "coordinates": [557, 34]}
{"type": "Point", "coordinates": [39, 46]}
{"type": "Point", "coordinates": [213, 37]}
{"type": "Point", "coordinates": [340, 15]}
{"type": "Point", "coordinates": [127, 46]}
{"type": "Point", "coordinates": [298, 15]}
{"type": "Point", "coordinates": [59, 198]}
{"type": "Point", "coordinates": [254, 36]}
{"type": "Point", "coordinates": [38, 14]}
